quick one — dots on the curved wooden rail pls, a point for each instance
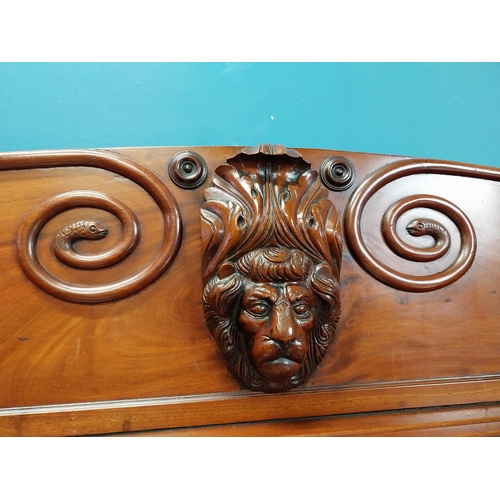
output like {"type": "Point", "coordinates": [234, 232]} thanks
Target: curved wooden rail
{"type": "Point", "coordinates": [397, 170]}
{"type": "Point", "coordinates": [34, 222]}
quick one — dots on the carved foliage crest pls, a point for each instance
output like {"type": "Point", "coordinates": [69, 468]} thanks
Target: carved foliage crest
{"type": "Point", "coordinates": [271, 241]}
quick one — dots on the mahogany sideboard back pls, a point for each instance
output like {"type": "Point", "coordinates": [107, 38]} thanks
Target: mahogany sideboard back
{"type": "Point", "coordinates": [257, 291]}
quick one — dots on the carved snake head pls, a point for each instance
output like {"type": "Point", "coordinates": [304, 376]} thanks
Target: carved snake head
{"type": "Point", "coordinates": [417, 227]}
{"type": "Point", "coordinates": [93, 230]}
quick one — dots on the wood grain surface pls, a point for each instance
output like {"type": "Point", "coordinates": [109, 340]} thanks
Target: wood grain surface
{"type": "Point", "coordinates": [453, 421]}
{"type": "Point", "coordinates": [147, 361]}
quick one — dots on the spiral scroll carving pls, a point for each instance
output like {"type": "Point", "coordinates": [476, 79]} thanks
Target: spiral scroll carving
{"type": "Point", "coordinates": [62, 246]}
{"type": "Point", "coordinates": [391, 277]}
{"type": "Point", "coordinates": [63, 243]}
{"type": "Point", "coordinates": [422, 227]}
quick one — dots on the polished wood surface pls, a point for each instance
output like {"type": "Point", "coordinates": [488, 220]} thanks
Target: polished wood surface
{"type": "Point", "coordinates": [462, 421]}
{"type": "Point", "coordinates": [86, 357]}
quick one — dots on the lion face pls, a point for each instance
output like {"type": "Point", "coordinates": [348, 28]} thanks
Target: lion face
{"type": "Point", "coordinates": [273, 316]}
{"type": "Point", "coordinates": [276, 321]}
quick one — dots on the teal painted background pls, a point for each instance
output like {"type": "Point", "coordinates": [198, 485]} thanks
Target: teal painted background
{"type": "Point", "coordinates": [436, 110]}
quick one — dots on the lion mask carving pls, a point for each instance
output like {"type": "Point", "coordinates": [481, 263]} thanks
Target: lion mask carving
{"type": "Point", "coordinates": [273, 314]}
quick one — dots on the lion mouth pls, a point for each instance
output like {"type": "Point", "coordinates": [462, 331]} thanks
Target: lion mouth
{"type": "Point", "coordinates": [283, 360]}
{"type": "Point", "coordinates": [279, 369]}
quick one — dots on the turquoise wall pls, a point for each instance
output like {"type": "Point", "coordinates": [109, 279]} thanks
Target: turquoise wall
{"type": "Point", "coordinates": [448, 111]}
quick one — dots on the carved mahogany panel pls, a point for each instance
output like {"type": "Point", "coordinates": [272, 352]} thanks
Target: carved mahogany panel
{"type": "Point", "coordinates": [119, 314]}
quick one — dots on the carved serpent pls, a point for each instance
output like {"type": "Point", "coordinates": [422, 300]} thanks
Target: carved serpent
{"type": "Point", "coordinates": [36, 220]}
{"type": "Point", "coordinates": [417, 227]}
{"type": "Point", "coordinates": [427, 227]}
{"type": "Point", "coordinates": [382, 272]}
{"type": "Point", "coordinates": [64, 240]}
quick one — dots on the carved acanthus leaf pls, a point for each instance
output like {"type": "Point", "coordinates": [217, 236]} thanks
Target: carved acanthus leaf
{"type": "Point", "coordinates": [258, 199]}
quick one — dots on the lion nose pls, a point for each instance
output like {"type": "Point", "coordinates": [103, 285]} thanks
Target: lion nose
{"type": "Point", "coordinates": [282, 324]}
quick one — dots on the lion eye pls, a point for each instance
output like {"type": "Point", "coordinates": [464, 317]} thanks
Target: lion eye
{"type": "Point", "coordinates": [259, 309]}
{"type": "Point", "coordinates": [92, 228]}
{"type": "Point", "coordinates": [301, 308]}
